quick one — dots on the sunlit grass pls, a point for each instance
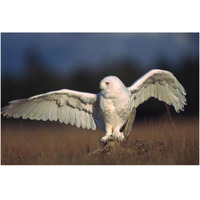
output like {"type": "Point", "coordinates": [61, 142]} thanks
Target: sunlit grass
{"type": "Point", "coordinates": [26, 142]}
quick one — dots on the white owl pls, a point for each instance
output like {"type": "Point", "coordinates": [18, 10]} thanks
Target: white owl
{"type": "Point", "coordinates": [109, 110]}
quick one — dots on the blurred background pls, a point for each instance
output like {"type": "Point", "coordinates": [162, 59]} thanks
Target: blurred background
{"type": "Point", "coordinates": [34, 63]}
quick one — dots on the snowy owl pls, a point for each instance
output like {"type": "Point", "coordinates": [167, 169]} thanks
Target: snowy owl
{"type": "Point", "coordinates": [109, 109]}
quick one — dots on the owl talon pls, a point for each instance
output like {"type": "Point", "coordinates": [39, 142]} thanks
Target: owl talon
{"type": "Point", "coordinates": [104, 140]}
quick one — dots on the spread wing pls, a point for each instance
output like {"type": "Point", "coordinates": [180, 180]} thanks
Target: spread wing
{"type": "Point", "coordinates": [68, 106]}
{"type": "Point", "coordinates": [160, 84]}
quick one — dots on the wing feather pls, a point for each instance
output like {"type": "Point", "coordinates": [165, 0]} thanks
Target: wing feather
{"type": "Point", "coordinates": [64, 114]}
{"type": "Point", "coordinates": [83, 122]}
{"type": "Point", "coordinates": [159, 84]}
{"type": "Point", "coordinates": [13, 110]}
{"type": "Point", "coordinates": [72, 116]}
{"type": "Point", "coordinates": [78, 120]}
{"type": "Point", "coordinates": [33, 115]}
{"type": "Point", "coordinates": [92, 123]}
{"type": "Point", "coordinates": [87, 121]}
{"type": "Point", "coordinates": [67, 117]}
{"type": "Point", "coordinates": [40, 109]}
{"type": "Point", "coordinates": [28, 111]}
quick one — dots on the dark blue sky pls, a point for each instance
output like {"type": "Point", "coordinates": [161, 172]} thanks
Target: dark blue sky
{"type": "Point", "coordinates": [67, 52]}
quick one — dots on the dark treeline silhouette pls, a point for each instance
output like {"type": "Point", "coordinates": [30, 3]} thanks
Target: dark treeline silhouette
{"type": "Point", "coordinates": [39, 79]}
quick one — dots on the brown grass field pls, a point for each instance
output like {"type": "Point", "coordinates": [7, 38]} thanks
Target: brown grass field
{"type": "Point", "coordinates": [51, 143]}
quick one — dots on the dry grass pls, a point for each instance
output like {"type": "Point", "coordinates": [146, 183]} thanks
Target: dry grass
{"type": "Point", "coordinates": [32, 143]}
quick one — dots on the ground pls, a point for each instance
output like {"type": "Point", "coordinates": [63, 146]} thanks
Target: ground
{"type": "Point", "coordinates": [151, 142]}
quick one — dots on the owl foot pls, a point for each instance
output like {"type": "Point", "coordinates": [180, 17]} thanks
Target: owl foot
{"type": "Point", "coordinates": [115, 136]}
{"type": "Point", "coordinates": [118, 136]}
{"type": "Point", "coordinates": [106, 138]}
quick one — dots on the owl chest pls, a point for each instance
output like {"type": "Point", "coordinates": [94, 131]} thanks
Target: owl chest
{"type": "Point", "coordinates": [114, 109]}
{"type": "Point", "coordinates": [107, 107]}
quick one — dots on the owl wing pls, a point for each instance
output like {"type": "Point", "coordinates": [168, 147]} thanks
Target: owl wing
{"type": "Point", "coordinates": [68, 106]}
{"type": "Point", "coordinates": [159, 84]}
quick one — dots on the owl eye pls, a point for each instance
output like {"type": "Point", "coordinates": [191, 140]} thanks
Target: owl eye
{"type": "Point", "coordinates": [107, 83]}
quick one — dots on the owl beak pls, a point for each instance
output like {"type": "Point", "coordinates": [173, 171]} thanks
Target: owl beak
{"type": "Point", "coordinates": [101, 86]}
